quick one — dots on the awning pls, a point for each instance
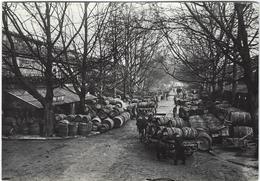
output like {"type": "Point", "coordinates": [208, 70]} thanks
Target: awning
{"type": "Point", "coordinates": [67, 96]}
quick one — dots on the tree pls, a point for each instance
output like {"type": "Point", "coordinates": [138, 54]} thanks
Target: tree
{"type": "Point", "coordinates": [44, 23]}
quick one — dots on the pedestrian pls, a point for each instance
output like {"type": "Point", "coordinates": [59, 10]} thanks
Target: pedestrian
{"type": "Point", "coordinates": [179, 150]}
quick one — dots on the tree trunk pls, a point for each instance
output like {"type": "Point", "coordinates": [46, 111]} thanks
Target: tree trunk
{"type": "Point", "coordinates": [47, 127]}
{"type": "Point", "coordinates": [234, 84]}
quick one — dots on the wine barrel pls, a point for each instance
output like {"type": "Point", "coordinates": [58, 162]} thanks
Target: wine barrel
{"type": "Point", "coordinates": [71, 117]}
{"type": "Point", "coordinates": [189, 133]}
{"type": "Point", "coordinates": [102, 114]}
{"type": "Point", "coordinates": [177, 122]}
{"type": "Point", "coordinates": [94, 128]}
{"type": "Point", "coordinates": [73, 129]}
{"type": "Point", "coordinates": [205, 141]}
{"type": "Point", "coordinates": [34, 129]}
{"type": "Point", "coordinates": [241, 131]}
{"type": "Point", "coordinates": [109, 121]}
{"type": "Point", "coordinates": [126, 116]}
{"type": "Point", "coordinates": [162, 121]}
{"type": "Point", "coordinates": [113, 113]}
{"type": "Point", "coordinates": [171, 132]}
{"type": "Point", "coordinates": [198, 122]}
{"type": "Point", "coordinates": [96, 120]}
{"type": "Point", "coordinates": [103, 128]}
{"type": "Point", "coordinates": [240, 118]}
{"type": "Point", "coordinates": [118, 121]}
{"type": "Point", "coordinates": [7, 130]}
{"type": "Point", "coordinates": [59, 117]}
{"type": "Point", "coordinates": [85, 128]}
{"type": "Point", "coordinates": [63, 128]}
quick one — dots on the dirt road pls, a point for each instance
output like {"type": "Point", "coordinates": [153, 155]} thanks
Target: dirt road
{"type": "Point", "coordinates": [116, 155]}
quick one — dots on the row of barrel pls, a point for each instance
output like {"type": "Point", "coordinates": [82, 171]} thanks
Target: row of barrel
{"type": "Point", "coordinates": [73, 125]}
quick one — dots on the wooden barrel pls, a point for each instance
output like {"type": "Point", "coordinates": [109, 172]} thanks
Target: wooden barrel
{"type": "Point", "coordinates": [63, 129]}
{"type": "Point", "coordinates": [85, 128]}
{"type": "Point", "coordinates": [113, 113]}
{"type": "Point", "coordinates": [71, 117]}
{"type": "Point", "coordinates": [118, 121]}
{"type": "Point", "coordinates": [59, 117]}
{"type": "Point", "coordinates": [109, 121]}
{"type": "Point", "coordinates": [189, 133]}
{"type": "Point", "coordinates": [241, 131]}
{"type": "Point", "coordinates": [240, 118]}
{"type": "Point", "coordinates": [34, 129]}
{"type": "Point", "coordinates": [204, 141]}
{"type": "Point", "coordinates": [94, 128]}
{"type": "Point", "coordinates": [177, 122]}
{"type": "Point", "coordinates": [73, 129]}
{"type": "Point", "coordinates": [103, 128]}
{"type": "Point", "coordinates": [162, 121]}
{"type": "Point", "coordinates": [171, 132]}
{"type": "Point", "coordinates": [7, 130]}
{"type": "Point", "coordinates": [126, 116]}
{"type": "Point", "coordinates": [96, 120]}
{"type": "Point", "coordinates": [102, 114]}
{"type": "Point", "coordinates": [197, 121]}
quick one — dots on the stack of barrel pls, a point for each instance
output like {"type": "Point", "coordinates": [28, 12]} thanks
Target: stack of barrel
{"type": "Point", "coordinates": [73, 125]}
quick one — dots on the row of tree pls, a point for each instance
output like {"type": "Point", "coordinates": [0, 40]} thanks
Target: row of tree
{"type": "Point", "coordinates": [96, 46]}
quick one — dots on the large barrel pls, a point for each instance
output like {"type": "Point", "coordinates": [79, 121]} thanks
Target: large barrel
{"type": "Point", "coordinates": [126, 116]}
{"type": "Point", "coordinates": [59, 117]}
{"type": "Point", "coordinates": [103, 128]}
{"type": "Point", "coordinates": [240, 118]}
{"type": "Point", "coordinates": [71, 117]}
{"type": "Point", "coordinates": [177, 122]}
{"type": "Point", "coordinates": [85, 128]}
{"type": "Point", "coordinates": [241, 131]}
{"type": "Point", "coordinates": [109, 121]}
{"type": "Point", "coordinates": [34, 129]}
{"type": "Point", "coordinates": [189, 133]}
{"type": "Point", "coordinates": [63, 128]}
{"type": "Point", "coordinates": [113, 113]}
{"type": "Point", "coordinates": [73, 129]}
{"type": "Point", "coordinates": [118, 121]}
{"type": "Point", "coordinates": [171, 132]}
{"type": "Point", "coordinates": [162, 121]}
{"type": "Point", "coordinates": [82, 118]}
{"type": "Point", "coordinates": [96, 120]}
{"type": "Point", "coordinates": [204, 140]}
{"type": "Point", "coordinates": [198, 122]}
{"type": "Point", "coordinates": [102, 114]}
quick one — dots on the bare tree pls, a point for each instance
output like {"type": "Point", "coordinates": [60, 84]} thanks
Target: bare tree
{"type": "Point", "coordinates": [44, 23]}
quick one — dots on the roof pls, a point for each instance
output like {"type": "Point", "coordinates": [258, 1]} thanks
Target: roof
{"type": "Point", "coordinates": [23, 95]}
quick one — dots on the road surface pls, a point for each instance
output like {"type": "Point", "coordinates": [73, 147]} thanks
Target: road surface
{"type": "Point", "coordinates": [113, 156]}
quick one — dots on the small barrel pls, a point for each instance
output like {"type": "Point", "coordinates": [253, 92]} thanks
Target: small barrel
{"type": "Point", "coordinates": [85, 128]}
{"type": "Point", "coordinates": [171, 132]}
{"type": "Point", "coordinates": [240, 118]}
{"type": "Point", "coordinates": [34, 129]}
{"type": "Point", "coordinates": [126, 116]}
{"type": "Point", "coordinates": [118, 121]}
{"type": "Point", "coordinates": [109, 121]}
{"type": "Point", "coordinates": [71, 117]}
{"type": "Point", "coordinates": [162, 121]}
{"type": "Point", "coordinates": [103, 128]}
{"type": "Point", "coordinates": [73, 129]}
{"type": "Point", "coordinates": [241, 131]}
{"type": "Point", "coordinates": [63, 129]}
{"type": "Point", "coordinates": [96, 120]}
{"type": "Point", "coordinates": [189, 133]}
